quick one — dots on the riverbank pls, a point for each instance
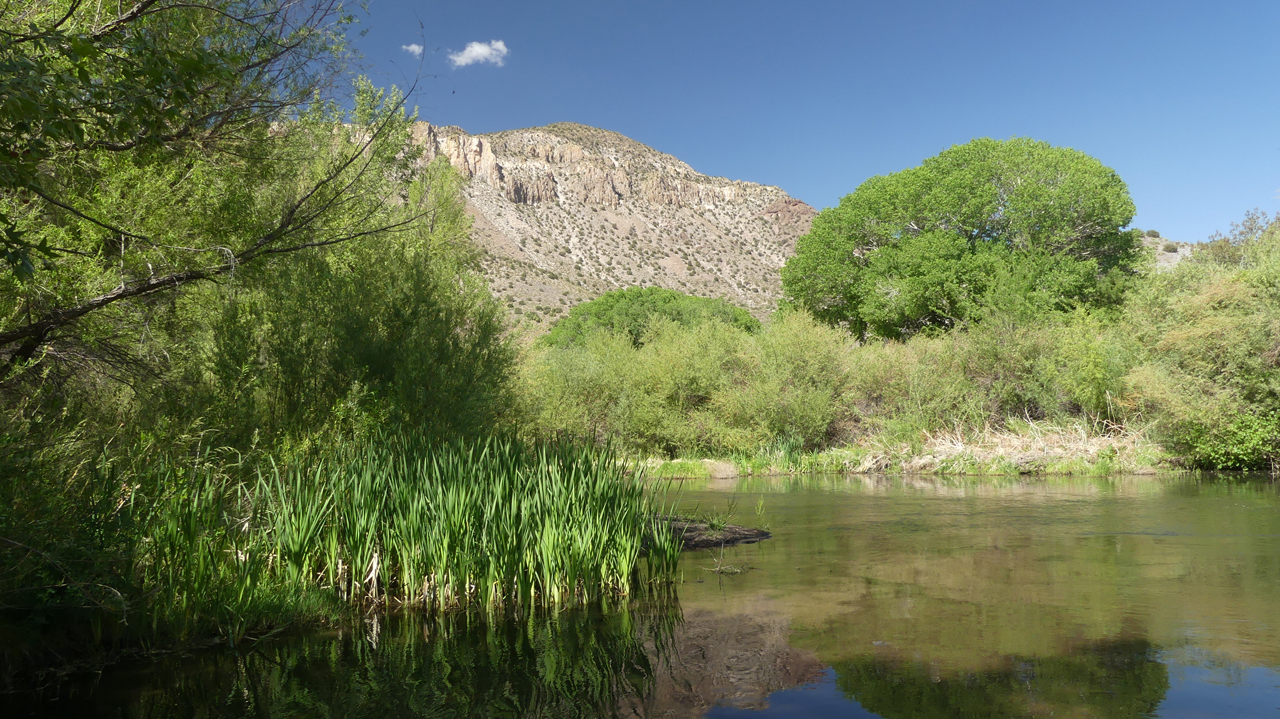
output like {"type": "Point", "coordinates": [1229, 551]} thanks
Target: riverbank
{"type": "Point", "coordinates": [1031, 449]}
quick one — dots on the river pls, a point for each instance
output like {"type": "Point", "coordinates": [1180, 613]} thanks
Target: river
{"type": "Point", "coordinates": [894, 598]}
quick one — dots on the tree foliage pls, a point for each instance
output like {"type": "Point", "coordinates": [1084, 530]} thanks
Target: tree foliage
{"type": "Point", "coordinates": [172, 143]}
{"type": "Point", "coordinates": [398, 328]}
{"type": "Point", "coordinates": [988, 222]}
{"type": "Point", "coordinates": [630, 311]}
{"type": "Point", "coordinates": [226, 245]}
{"type": "Point", "coordinates": [706, 386]}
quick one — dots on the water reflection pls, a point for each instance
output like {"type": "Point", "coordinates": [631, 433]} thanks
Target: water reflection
{"type": "Point", "coordinates": [645, 661]}
{"type": "Point", "coordinates": [1121, 600]}
{"type": "Point", "coordinates": [1118, 680]}
{"type": "Point", "coordinates": [585, 663]}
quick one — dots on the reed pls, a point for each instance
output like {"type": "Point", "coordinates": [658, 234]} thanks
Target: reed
{"type": "Point", "coordinates": [405, 520]}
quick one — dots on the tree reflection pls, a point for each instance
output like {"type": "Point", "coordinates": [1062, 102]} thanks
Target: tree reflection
{"type": "Point", "coordinates": [1117, 680]}
{"type": "Point", "coordinates": [637, 660]}
{"type": "Point", "coordinates": [583, 663]}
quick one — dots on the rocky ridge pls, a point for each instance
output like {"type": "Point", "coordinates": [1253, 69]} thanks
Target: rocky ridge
{"type": "Point", "coordinates": [566, 212]}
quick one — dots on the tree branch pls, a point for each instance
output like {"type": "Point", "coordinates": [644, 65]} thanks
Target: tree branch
{"type": "Point", "coordinates": [133, 14]}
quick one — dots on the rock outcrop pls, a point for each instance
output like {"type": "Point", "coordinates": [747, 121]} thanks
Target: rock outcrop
{"type": "Point", "coordinates": [566, 212]}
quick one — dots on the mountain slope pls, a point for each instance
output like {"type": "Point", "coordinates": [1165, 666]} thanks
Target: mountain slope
{"type": "Point", "coordinates": [566, 212]}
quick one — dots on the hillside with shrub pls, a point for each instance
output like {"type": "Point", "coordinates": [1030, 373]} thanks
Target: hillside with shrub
{"type": "Point", "coordinates": [955, 346]}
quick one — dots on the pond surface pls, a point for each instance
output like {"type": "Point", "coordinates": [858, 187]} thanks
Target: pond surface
{"type": "Point", "coordinates": [1132, 597]}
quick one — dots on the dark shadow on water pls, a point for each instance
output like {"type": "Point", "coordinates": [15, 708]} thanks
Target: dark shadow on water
{"type": "Point", "coordinates": [638, 660]}
{"type": "Point", "coordinates": [582, 663]}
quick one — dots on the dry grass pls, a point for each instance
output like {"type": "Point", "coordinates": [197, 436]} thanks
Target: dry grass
{"type": "Point", "coordinates": [1029, 447]}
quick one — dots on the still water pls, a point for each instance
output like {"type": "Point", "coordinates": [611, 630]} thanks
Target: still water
{"type": "Point", "coordinates": [1125, 598]}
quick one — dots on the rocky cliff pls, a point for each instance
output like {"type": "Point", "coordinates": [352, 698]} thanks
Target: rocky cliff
{"type": "Point", "coordinates": [566, 212]}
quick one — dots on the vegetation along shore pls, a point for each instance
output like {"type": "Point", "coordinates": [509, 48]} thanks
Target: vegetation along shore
{"type": "Point", "coordinates": [264, 356]}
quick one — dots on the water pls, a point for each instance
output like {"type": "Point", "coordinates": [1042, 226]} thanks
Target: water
{"type": "Point", "coordinates": [1122, 599]}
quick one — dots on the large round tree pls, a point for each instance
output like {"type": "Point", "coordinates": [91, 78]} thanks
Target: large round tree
{"type": "Point", "coordinates": [987, 222]}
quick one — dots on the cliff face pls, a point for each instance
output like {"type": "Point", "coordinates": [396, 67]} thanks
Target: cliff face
{"type": "Point", "coordinates": [566, 212]}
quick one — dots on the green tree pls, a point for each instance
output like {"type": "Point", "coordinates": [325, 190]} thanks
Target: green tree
{"type": "Point", "coordinates": [399, 327]}
{"type": "Point", "coordinates": [630, 311]}
{"type": "Point", "coordinates": [162, 143]}
{"type": "Point", "coordinates": [930, 246]}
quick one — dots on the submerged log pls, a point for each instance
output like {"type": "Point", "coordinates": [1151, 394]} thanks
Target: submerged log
{"type": "Point", "coordinates": [699, 535]}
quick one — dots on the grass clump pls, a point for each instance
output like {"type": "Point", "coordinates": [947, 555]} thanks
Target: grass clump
{"type": "Point", "coordinates": [169, 550]}
{"type": "Point", "coordinates": [495, 522]}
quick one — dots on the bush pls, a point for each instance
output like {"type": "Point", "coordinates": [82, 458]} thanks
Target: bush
{"type": "Point", "coordinates": [1004, 367]}
{"type": "Point", "coordinates": [714, 389]}
{"type": "Point", "coordinates": [397, 328]}
{"type": "Point", "coordinates": [709, 387]}
{"type": "Point", "coordinates": [1153, 233]}
{"type": "Point", "coordinates": [1169, 247]}
{"type": "Point", "coordinates": [631, 310]}
{"type": "Point", "coordinates": [1210, 336]}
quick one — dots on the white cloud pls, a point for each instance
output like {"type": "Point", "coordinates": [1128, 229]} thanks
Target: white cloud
{"type": "Point", "coordinates": [415, 49]}
{"type": "Point", "coordinates": [491, 52]}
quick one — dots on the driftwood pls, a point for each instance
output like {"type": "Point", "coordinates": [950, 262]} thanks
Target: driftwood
{"type": "Point", "coordinates": [698, 535]}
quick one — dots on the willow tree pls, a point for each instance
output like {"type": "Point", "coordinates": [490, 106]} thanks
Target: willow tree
{"type": "Point", "coordinates": [153, 144]}
{"type": "Point", "coordinates": [986, 223]}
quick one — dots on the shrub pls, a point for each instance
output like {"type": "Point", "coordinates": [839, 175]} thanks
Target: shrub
{"type": "Point", "coordinates": [631, 310]}
{"type": "Point", "coordinates": [1007, 366]}
{"type": "Point", "coordinates": [399, 327]}
{"type": "Point", "coordinates": [707, 387]}
{"type": "Point", "coordinates": [1153, 233]}
{"type": "Point", "coordinates": [712, 388]}
{"type": "Point", "coordinates": [1169, 247]}
{"type": "Point", "coordinates": [1210, 336]}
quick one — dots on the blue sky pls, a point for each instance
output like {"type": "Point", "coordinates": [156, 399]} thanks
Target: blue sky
{"type": "Point", "coordinates": [815, 97]}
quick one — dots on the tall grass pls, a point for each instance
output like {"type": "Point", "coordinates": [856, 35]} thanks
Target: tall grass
{"type": "Point", "coordinates": [493, 522]}
{"type": "Point", "coordinates": [161, 550]}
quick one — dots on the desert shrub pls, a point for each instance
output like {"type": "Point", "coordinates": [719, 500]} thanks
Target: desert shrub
{"type": "Point", "coordinates": [712, 388]}
{"type": "Point", "coordinates": [1247, 241]}
{"type": "Point", "coordinates": [1218, 252]}
{"type": "Point", "coordinates": [1088, 373]}
{"type": "Point", "coordinates": [631, 310]}
{"type": "Point", "coordinates": [1169, 247]}
{"type": "Point", "coordinates": [1006, 366]}
{"type": "Point", "coordinates": [1153, 233]}
{"type": "Point", "coordinates": [906, 388]}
